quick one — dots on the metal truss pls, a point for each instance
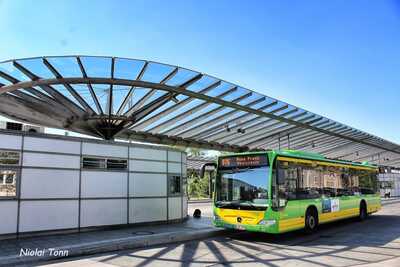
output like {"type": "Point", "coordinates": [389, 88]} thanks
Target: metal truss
{"type": "Point", "coordinates": [109, 97]}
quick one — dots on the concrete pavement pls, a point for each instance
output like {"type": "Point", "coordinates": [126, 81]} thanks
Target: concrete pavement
{"type": "Point", "coordinates": [34, 249]}
{"type": "Point", "coordinates": [375, 242]}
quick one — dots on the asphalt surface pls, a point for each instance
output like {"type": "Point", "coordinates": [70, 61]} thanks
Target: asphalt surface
{"type": "Point", "coordinates": [374, 242]}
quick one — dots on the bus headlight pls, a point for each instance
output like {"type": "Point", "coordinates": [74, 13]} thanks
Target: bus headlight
{"type": "Point", "coordinates": [267, 222]}
{"type": "Point", "coordinates": [216, 218]}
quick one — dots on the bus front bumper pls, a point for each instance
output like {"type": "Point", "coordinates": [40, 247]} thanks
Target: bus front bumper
{"type": "Point", "coordinates": [266, 226]}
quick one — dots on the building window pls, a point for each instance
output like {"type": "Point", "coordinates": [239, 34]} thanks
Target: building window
{"type": "Point", "coordinates": [9, 157]}
{"type": "Point", "coordinates": [117, 164]}
{"type": "Point", "coordinates": [8, 183]}
{"type": "Point", "coordinates": [175, 185]}
{"type": "Point", "coordinates": [105, 164]}
{"type": "Point", "coordinates": [93, 163]}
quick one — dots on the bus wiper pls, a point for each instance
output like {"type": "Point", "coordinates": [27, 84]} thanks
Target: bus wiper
{"type": "Point", "coordinates": [234, 204]}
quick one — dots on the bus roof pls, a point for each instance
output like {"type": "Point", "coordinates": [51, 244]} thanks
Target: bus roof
{"type": "Point", "coordinates": [305, 155]}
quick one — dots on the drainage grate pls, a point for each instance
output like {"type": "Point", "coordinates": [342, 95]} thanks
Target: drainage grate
{"type": "Point", "coordinates": [143, 233]}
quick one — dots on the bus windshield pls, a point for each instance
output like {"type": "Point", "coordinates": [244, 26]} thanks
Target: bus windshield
{"type": "Point", "coordinates": [244, 188]}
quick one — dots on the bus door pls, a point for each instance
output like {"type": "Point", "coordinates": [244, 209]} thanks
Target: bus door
{"type": "Point", "coordinates": [290, 214]}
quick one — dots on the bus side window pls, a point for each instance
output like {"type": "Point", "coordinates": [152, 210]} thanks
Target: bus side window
{"type": "Point", "coordinates": [310, 182]}
{"type": "Point", "coordinates": [284, 184]}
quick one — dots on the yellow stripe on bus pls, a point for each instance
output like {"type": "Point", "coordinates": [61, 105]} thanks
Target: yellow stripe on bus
{"type": "Point", "coordinates": [325, 163]}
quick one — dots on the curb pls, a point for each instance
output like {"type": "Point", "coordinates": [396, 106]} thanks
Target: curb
{"type": "Point", "coordinates": [113, 245]}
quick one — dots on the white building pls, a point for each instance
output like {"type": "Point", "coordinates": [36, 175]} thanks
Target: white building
{"type": "Point", "coordinates": [51, 182]}
{"type": "Point", "coordinates": [390, 183]}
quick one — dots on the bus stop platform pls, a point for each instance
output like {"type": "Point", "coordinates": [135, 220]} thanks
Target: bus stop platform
{"type": "Point", "coordinates": [30, 250]}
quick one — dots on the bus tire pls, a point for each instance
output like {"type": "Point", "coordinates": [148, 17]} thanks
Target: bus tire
{"type": "Point", "coordinates": [311, 220]}
{"type": "Point", "coordinates": [363, 211]}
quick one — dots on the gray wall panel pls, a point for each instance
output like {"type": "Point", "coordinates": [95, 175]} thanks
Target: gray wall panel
{"type": "Point", "coordinates": [103, 212]}
{"type": "Point", "coordinates": [51, 161]}
{"type": "Point", "coordinates": [104, 184]}
{"type": "Point", "coordinates": [147, 153]}
{"type": "Point", "coordinates": [147, 210]}
{"type": "Point", "coordinates": [147, 184]}
{"type": "Point", "coordinates": [8, 215]}
{"type": "Point", "coordinates": [48, 215]}
{"type": "Point", "coordinates": [45, 183]}
{"type": "Point", "coordinates": [51, 145]}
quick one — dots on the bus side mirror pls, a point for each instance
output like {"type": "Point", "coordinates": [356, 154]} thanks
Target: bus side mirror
{"type": "Point", "coordinates": [203, 168]}
{"type": "Point", "coordinates": [281, 177]}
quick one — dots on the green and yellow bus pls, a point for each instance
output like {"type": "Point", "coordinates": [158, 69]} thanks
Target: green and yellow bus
{"type": "Point", "coordinates": [281, 191]}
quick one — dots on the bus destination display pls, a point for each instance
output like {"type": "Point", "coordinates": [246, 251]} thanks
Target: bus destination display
{"type": "Point", "coordinates": [243, 161]}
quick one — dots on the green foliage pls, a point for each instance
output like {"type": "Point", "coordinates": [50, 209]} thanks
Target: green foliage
{"type": "Point", "coordinates": [198, 187]}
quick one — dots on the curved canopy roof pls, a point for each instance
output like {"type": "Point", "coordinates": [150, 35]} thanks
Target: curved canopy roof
{"type": "Point", "coordinates": [110, 97]}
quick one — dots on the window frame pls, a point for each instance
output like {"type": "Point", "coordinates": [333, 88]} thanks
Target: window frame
{"type": "Point", "coordinates": [170, 177]}
{"type": "Point", "coordinates": [104, 166]}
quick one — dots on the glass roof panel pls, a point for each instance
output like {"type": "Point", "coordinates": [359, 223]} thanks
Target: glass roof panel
{"type": "Point", "coordinates": [83, 91]}
{"type": "Point", "coordinates": [37, 67]}
{"type": "Point", "coordinates": [192, 116]}
{"type": "Point", "coordinates": [177, 112]}
{"type": "Point", "coordinates": [102, 92]}
{"type": "Point", "coordinates": [42, 91]}
{"type": "Point", "coordinates": [4, 81]}
{"type": "Point", "coordinates": [99, 67]}
{"type": "Point", "coordinates": [201, 84]}
{"type": "Point", "coordinates": [119, 94]}
{"type": "Point", "coordinates": [223, 87]}
{"type": "Point", "coordinates": [138, 93]}
{"type": "Point", "coordinates": [66, 66]}
{"type": "Point", "coordinates": [181, 77]}
{"type": "Point", "coordinates": [155, 72]}
{"type": "Point", "coordinates": [61, 89]}
{"type": "Point", "coordinates": [127, 68]}
{"type": "Point", "coordinates": [9, 69]}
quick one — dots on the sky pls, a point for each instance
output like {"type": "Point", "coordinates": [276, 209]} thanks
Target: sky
{"type": "Point", "coordinates": [339, 58]}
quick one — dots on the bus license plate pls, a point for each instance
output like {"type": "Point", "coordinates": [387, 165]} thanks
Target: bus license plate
{"type": "Point", "coordinates": [239, 227]}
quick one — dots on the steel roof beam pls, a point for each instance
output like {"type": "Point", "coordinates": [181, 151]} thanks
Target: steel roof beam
{"type": "Point", "coordinates": [276, 131]}
{"type": "Point", "coordinates": [142, 101]}
{"type": "Point", "coordinates": [68, 87]}
{"type": "Point", "coordinates": [90, 87]}
{"type": "Point", "coordinates": [225, 116]}
{"type": "Point", "coordinates": [128, 97]}
{"type": "Point", "coordinates": [189, 112]}
{"type": "Point", "coordinates": [214, 130]}
{"type": "Point", "coordinates": [304, 136]}
{"type": "Point", "coordinates": [177, 129]}
{"type": "Point", "coordinates": [141, 125]}
{"type": "Point", "coordinates": [176, 141]}
{"type": "Point", "coordinates": [249, 127]}
{"type": "Point", "coordinates": [49, 90]}
{"type": "Point", "coordinates": [283, 130]}
{"type": "Point", "coordinates": [350, 149]}
{"type": "Point", "coordinates": [174, 90]}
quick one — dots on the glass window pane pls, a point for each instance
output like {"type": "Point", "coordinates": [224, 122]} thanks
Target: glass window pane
{"type": "Point", "coordinates": [117, 164]}
{"type": "Point", "coordinates": [93, 163]}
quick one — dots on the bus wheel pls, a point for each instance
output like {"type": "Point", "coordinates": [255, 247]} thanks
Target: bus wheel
{"type": "Point", "coordinates": [311, 221]}
{"type": "Point", "coordinates": [363, 211]}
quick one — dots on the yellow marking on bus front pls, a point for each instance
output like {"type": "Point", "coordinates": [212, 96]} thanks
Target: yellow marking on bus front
{"type": "Point", "coordinates": [248, 217]}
